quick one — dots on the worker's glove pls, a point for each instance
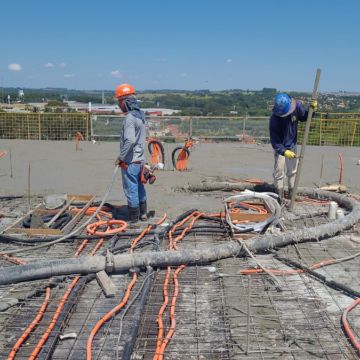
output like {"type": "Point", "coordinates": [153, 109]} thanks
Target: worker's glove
{"type": "Point", "coordinates": [289, 154]}
{"type": "Point", "coordinates": [121, 164]}
{"type": "Point", "coordinates": [314, 105]}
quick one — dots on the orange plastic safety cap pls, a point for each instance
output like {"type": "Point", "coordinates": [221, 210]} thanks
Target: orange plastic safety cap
{"type": "Point", "coordinates": [124, 90]}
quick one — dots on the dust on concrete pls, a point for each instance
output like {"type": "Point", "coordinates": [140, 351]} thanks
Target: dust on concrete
{"type": "Point", "coordinates": [56, 167]}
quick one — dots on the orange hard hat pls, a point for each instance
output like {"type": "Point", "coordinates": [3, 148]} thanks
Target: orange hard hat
{"type": "Point", "coordinates": [124, 90]}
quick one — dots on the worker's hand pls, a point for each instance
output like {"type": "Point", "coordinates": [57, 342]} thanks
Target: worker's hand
{"type": "Point", "coordinates": [314, 105]}
{"type": "Point", "coordinates": [289, 154]}
{"type": "Point", "coordinates": [121, 164]}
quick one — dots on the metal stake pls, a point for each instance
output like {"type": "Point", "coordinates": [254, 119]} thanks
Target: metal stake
{"type": "Point", "coordinates": [29, 172]}
{"type": "Point", "coordinates": [11, 166]}
{"type": "Point", "coordinates": [248, 318]}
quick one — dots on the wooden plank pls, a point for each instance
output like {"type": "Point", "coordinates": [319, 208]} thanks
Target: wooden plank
{"type": "Point", "coordinates": [16, 227]}
{"type": "Point", "coordinates": [105, 283]}
{"type": "Point", "coordinates": [17, 223]}
{"type": "Point", "coordinates": [251, 217]}
{"type": "Point", "coordinates": [80, 198]}
{"type": "Point", "coordinates": [69, 225]}
{"type": "Point", "coordinates": [33, 231]}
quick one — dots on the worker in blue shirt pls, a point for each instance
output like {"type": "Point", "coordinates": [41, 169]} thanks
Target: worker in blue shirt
{"type": "Point", "coordinates": [283, 126]}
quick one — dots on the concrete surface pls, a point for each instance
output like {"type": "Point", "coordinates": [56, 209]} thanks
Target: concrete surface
{"type": "Point", "coordinates": [57, 168]}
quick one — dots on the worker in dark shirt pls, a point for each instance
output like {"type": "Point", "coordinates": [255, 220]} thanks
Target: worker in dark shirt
{"type": "Point", "coordinates": [283, 126]}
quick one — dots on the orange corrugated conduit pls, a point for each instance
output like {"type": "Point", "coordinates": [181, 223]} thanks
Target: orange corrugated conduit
{"type": "Point", "coordinates": [63, 300]}
{"type": "Point", "coordinates": [288, 272]}
{"type": "Point", "coordinates": [13, 259]}
{"type": "Point", "coordinates": [31, 327]}
{"type": "Point", "coordinates": [346, 325]}
{"type": "Point", "coordinates": [125, 298]}
{"type": "Point", "coordinates": [161, 341]}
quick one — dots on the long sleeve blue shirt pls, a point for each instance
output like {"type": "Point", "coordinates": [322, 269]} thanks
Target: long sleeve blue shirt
{"type": "Point", "coordinates": [283, 130]}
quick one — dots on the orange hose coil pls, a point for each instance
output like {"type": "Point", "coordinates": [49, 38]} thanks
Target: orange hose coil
{"type": "Point", "coordinates": [121, 226]}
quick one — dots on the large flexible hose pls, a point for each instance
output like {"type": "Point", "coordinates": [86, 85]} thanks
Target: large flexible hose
{"type": "Point", "coordinates": [38, 270]}
{"type": "Point", "coordinates": [49, 268]}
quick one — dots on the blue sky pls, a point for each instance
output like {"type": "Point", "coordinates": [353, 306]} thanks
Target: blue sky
{"type": "Point", "coordinates": [187, 44]}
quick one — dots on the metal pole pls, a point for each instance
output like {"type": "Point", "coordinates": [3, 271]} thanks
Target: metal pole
{"type": "Point", "coordinates": [11, 165]}
{"type": "Point", "coordinates": [29, 195]}
{"type": "Point", "coordinates": [306, 135]}
{"type": "Point", "coordinates": [248, 318]}
{"type": "Point", "coordinates": [244, 124]}
{"type": "Point", "coordinates": [191, 127]}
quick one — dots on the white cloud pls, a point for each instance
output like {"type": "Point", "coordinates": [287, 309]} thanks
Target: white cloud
{"type": "Point", "coordinates": [184, 75]}
{"type": "Point", "coordinates": [69, 75]}
{"type": "Point", "coordinates": [62, 65]}
{"type": "Point", "coordinates": [49, 65]}
{"type": "Point", "coordinates": [116, 74]}
{"type": "Point", "coordinates": [15, 67]}
{"type": "Point", "coordinates": [229, 61]}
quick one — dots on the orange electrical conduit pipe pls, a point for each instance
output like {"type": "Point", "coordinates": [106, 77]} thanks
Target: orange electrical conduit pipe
{"type": "Point", "coordinates": [64, 298]}
{"type": "Point", "coordinates": [31, 327]}
{"type": "Point", "coordinates": [125, 298]}
{"type": "Point", "coordinates": [346, 325]}
{"type": "Point", "coordinates": [161, 343]}
{"type": "Point", "coordinates": [13, 259]}
{"type": "Point", "coordinates": [289, 272]}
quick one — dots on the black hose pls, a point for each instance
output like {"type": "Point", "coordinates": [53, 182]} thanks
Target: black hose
{"type": "Point", "coordinates": [173, 154]}
{"type": "Point", "coordinates": [132, 335]}
{"type": "Point", "coordinates": [10, 197]}
{"type": "Point", "coordinates": [130, 343]}
{"type": "Point", "coordinates": [59, 223]}
{"type": "Point", "coordinates": [151, 145]}
{"type": "Point", "coordinates": [178, 219]}
{"type": "Point", "coordinates": [331, 283]}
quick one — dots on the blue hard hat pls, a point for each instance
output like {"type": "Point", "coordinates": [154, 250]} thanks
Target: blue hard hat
{"type": "Point", "coordinates": [283, 104]}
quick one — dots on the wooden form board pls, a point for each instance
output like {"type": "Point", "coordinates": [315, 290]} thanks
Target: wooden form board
{"type": "Point", "coordinates": [16, 227]}
{"type": "Point", "coordinates": [251, 216]}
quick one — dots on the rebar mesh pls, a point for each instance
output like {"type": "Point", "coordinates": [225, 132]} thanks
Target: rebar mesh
{"type": "Point", "coordinates": [221, 314]}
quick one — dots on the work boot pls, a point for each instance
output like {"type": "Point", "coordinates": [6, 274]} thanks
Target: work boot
{"type": "Point", "coordinates": [143, 211]}
{"type": "Point", "coordinates": [134, 214]}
